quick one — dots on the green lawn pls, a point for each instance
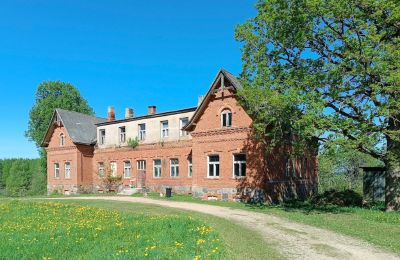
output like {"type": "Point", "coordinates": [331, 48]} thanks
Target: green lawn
{"type": "Point", "coordinates": [105, 229]}
{"type": "Point", "coordinates": [373, 225]}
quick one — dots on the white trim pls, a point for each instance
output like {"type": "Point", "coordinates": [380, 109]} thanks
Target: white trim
{"type": "Point", "coordinates": [181, 125]}
{"type": "Point", "coordinates": [103, 169]}
{"type": "Point", "coordinates": [127, 169]}
{"type": "Point", "coordinates": [159, 167]}
{"type": "Point", "coordinates": [240, 165]}
{"type": "Point", "coordinates": [69, 170]}
{"type": "Point", "coordinates": [142, 133]}
{"type": "Point", "coordinates": [175, 166]}
{"type": "Point", "coordinates": [227, 112]}
{"type": "Point", "coordinates": [164, 131]}
{"type": "Point", "coordinates": [214, 167]}
{"type": "Point", "coordinates": [113, 170]}
{"type": "Point", "coordinates": [190, 167]}
{"type": "Point", "coordinates": [56, 170]}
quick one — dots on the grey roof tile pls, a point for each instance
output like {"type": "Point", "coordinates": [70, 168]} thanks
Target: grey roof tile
{"type": "Point", "coordinates": [80, 127]}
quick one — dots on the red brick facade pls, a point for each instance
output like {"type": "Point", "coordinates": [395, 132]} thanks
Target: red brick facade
{"type": "Point", "coordinates": [266, 175]}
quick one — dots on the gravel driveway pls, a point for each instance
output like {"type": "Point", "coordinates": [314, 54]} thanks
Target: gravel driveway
{"type": "Point", "coordinates": [294, 240]}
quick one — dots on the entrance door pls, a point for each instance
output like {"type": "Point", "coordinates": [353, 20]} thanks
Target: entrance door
{"type": "Point", "coordinates": [141, 174]}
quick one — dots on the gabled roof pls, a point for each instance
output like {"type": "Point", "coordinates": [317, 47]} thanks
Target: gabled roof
{"type": "Point", "coordinates": [223, 76]}
{"type": "Point", "coordinates": [81, 128]}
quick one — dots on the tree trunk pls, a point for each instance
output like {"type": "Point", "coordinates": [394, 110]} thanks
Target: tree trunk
{"type": "Point", "coordinates": [392, 162]}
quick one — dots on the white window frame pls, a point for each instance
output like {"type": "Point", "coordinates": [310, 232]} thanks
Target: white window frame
{"type": "Point", "coordinates": [174, 167]}
{"type": "Point", "coordinates": [157, 168]}
{"type": "Point", "coordinates": [122, 134]}
{"type": "Point", "coordinates": [225, 123]}
{"type": "Point", "coordinates": [102, 136]}
{"type": "Point", "coordinates": [67, 170]}
{"type": "Point", "coordinates": [142, 132]}
{"type": "Point", "coordinates": [127, 169]}
{"type": "Point", "coordinates": [101, 169]}
{"type": "Point", "coordinates": [56, 170]}
{"type": "Point", "coordinates": [181, 125]}
{"type": "Point", "coordinates": [190, 167]}
{"type": "Point", "coordinates": [62, 139]}
{"type": "Point", "coordinates": [113, 170]}
{"type": "Point", "coordinates": [141, 165]}
{"type": "Point", "coordinates": [164, 131]}
{"type": "Point", "coordinates": [287, 167]}
{"type": "Point", "coordinates": [214, 164]}
{"type": "Point", "coordinates": [240, 163]}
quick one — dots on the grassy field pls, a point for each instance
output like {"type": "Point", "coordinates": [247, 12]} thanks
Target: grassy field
{"type": "Point", "coordinates": [103, 229]}
{"type": "Point", "coordinates": [372, 225]}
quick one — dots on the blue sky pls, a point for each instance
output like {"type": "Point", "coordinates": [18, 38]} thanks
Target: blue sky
{"type": "Point", "coordinates": [120, 53]}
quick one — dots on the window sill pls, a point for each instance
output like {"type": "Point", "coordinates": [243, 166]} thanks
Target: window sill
{"type": "Point", "coordinates": [239, 177]}
{"type": "Point", "coordinates": [213, 178]}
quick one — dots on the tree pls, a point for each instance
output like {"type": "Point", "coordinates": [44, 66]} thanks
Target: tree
{"type": "Point", "coordinates": [328, 70]}
{"type": "Point", "coordinates": [49, 96]}
{"type": "Point", "coordinates": [339, 168]}
{"type": "Point", "coordinates": [19, 181]}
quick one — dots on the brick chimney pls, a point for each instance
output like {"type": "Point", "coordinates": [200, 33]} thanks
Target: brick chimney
{"type": "Point", "coordinates": [151, 110]}
{"type": "Point", "coordinates": [129, 113]}
{"type": "Point", "coordinates": [110, 114]}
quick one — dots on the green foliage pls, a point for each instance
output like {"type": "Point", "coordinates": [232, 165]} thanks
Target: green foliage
{"type": "Point", "coordinates": [133, 142]}
{"type": "Point", "coordinates": [49, 96]}
{"type": "Point", "coordinates": [29, 230]}
{"type": "Point", "coordinates": [19, 180]}
{"type": "Point", "coordinates": [339, 168]}
{"type": "Point", "coordinates": [22, 177]}
{"type": "Point", "coordinates": [328, 70]}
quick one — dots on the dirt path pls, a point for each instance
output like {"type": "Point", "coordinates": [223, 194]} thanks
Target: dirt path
{"type": "Point", "coordinates": [294, 240]}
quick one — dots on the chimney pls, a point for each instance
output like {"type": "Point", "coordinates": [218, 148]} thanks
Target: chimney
{"type": "Point", "coordinates": [110, 114]}
{"type": "Point", "coordinates": [128, 113]}
{"type": "Point", "coordinates": [151, 110]}
{"type": "Point", "coordinates": [200, 100]}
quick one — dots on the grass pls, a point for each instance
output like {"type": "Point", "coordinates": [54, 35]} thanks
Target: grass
{"type": "Point", "coordinates": [105, 229]}
{"type": "Point", "coordinates": [372, 225]}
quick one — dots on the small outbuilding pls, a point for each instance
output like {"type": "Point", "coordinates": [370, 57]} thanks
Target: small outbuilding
{"type": "Point", "coordinates": [374, 183]}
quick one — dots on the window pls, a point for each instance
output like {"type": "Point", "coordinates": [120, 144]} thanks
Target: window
{"type": "Point", "coordinates": [164, 129]}
{"type": "Point", "coordinates": [101, 169]}
{"type": "Point", "coordinates": [142, 132]}
{"type": "Point", "coordinates": [67, 170]}
{"type": "Point", "coordinates": [56, 170]}
{"type": "Point", "coordinates": [287, 167]}
{"type": "Point", "coordinates": [62, 139]}
{"type": "Point", "coordinates": [113, 167]}
{"type": "Point", "coordinates": [190, 167]}
{"type": "Point", "coordinates": [102, 136]}
{"type": "Point", "coordinates": [141, 165]}
{"type": "Point", "coordinates": [157, 168]}
{"type": "Point", "coordinates": [182, 123]}
{"type": "Point", "coordinates": [304, 167]}
{"type": "Point", "coordinates": [239, 165]}
{"type": "Point", "coordinates": [122, 135]}
{"type": "Point", "coordinates": [213, 166]}
{"type": "Point", "coordinates": [127, 169]}
{"type": "Point", "coordinates": [174, 167]}
{"type": "Point", "coordinates": [290, 167]}
{"type": "Point", "coordinates": [226, 118]}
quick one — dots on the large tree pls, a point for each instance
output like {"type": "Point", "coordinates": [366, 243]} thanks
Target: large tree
{"type": "Point", "coordinates": [328, 70]}
{"type": "Point", "coordinates": [49, 96]}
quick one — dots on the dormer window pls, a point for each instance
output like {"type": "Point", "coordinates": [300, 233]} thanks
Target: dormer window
{"type": "Point", "coordinates": [62, 140]}
{"type": "Point", "coordinates": [226, 118]}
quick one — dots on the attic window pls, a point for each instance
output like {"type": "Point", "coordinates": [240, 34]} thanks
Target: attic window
{"type": "Point", "coordinates": [226, 118]}
{"type": "Point", "coordinates": [62, 139]}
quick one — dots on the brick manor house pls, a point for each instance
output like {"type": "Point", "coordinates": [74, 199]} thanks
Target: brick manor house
{"type": "Point", "coordinates": [207, 151]}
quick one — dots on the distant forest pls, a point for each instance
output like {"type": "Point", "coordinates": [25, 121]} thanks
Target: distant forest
{"type": "Point", "coordinates": [21, 177]}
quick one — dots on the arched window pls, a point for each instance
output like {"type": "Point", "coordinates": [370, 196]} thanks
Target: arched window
{"type": "Point", "coordinates": [226, 118]}
{"type": "Point", "coordinates": [62, 139]}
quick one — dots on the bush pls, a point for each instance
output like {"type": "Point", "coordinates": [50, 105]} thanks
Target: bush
{"type": "Point", "coordinates": [345, 198]}
{"type": "Point", "coordinates": [133, 142]}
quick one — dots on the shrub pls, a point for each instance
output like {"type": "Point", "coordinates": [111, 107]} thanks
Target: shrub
{"type": "Point", "coordinates": [133, 142]}
{"type": "Point", "coordinates": [345, 198]}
